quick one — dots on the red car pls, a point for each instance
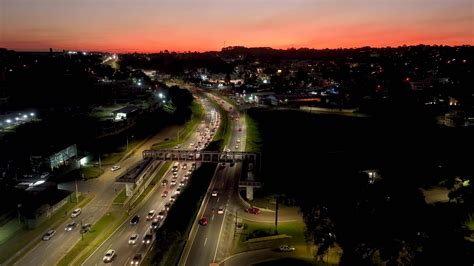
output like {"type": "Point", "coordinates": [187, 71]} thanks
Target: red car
{"type": "Point", "coordinates": [253, 210]}
{"type": "Point", "coordinates": [203, 221]}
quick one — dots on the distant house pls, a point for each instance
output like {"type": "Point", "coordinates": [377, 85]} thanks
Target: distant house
{"type": "Point", "coordinates": [125, 113]}
{"type": "Point", "coordinates": [421, 85]}
{"type": "Point", "coordinates": [373, 174]}
{"type": "Point", "coordinates": [54, 159]}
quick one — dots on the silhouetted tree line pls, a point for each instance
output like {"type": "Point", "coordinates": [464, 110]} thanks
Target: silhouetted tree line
{"type": "Point", "coordinates": [386, 221]}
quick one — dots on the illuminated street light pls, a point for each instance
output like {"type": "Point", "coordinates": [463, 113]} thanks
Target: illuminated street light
{"type": "Point", "coordinates": [25, 116]}
{"type": "Point", "coordinates": [32, 114]}
{"type": "Point", "coordinates": [8, 121]}
{"type": "Point", "coordinates": [160, 95]}
{"type": "Point", "coordinates": [17, 118]}
{"type": "Point", "coordinates": [83, 161]}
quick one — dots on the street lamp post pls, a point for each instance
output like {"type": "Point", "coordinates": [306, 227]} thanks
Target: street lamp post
{"type": "Point", "coordinates": [329, 249]}
{"type": "Point", "coordinates": [77, 191]}
{"type": "Point", "coordinates": [236, 222]}
{"type": "Point", "coordinates": [276, 215]}
{"type": "Point", "coordinates": [82, 231]}
{"type": "Point", "coordinates": [100, 166]}
{"type": "Point", "coordinates": [19, 216]}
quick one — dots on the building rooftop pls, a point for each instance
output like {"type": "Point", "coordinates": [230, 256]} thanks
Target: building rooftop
{"type": "Point", "coordinates": [126, 110]}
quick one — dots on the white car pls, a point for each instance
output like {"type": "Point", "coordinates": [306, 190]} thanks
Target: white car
{"type": "Point", "coordinates": [114, 168]}
{"type": "Point", "coordinates": [109, 255]}
{"type": "Point", "coordinates": [214, 193]}
{"type": "Point", "coordinates": [236, 147]}
{"type": "Point", "coordinates": [133, 239]}
{"type": "Point", "coordinates": [151, 215]}
{"type": "Point", "coordinates": [49, 235]}
{"type": "Point", "coordinates": [220, 210]}
{"type": "Point", "coordinates": [286, 248]}
{"type": "Point", "coordinates": [76, 213]}
{"type": "Point", "coordinates": [238, 140]}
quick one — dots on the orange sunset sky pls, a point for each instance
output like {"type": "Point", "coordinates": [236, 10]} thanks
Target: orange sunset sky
{"type": "Point", "coordinates": [201, 25]}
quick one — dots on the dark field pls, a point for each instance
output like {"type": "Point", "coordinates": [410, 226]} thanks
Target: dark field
{"type": "Point", "coordinates": [300, 146]}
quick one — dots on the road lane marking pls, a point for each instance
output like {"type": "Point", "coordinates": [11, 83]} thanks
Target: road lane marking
{"type": "Point", "coordinates": [126, 261]}
{"type": "Point", "coordinates": [205, 241]}
{"type": "Point", "coordinates": [218, 199]}
{"type": "Point", "coordinates": [219, 237]}
{"type": "Point", "coordinates": [212, 218]}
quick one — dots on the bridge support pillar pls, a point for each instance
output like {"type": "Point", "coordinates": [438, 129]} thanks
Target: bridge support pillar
{"type": "Point", "coordinates": [249, 192]}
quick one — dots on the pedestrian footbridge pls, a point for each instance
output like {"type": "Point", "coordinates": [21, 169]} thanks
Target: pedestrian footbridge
{"type": "Point", "coordinates": [250, 162]}
{"type": "Point", "coordinates": [202, 156]}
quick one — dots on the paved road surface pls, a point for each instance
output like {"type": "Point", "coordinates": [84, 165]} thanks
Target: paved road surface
{"type": "Point", "coordinates": [104, 190]}
{"type": "Point", "coordinates": [254, 257]}
{"type": "Point", "coordinates": [212, 242]}
{"type": "Point", "coordinates": [119, 240]}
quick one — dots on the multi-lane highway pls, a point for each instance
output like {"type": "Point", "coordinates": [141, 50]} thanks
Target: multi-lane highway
{"type": "Point", "coordinates": [104, 190]}
{"type": "Point", "coordinates": [156, 200]}
{"type": "Point", "coordinates": [210, 243]}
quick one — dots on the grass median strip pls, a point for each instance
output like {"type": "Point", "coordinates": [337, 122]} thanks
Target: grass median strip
{"type": "Point", "coordinates": [265, 231]}
{"type": "Point", "coordinates": [190, 126]}
{"type": "Point", "coordinates": [254, 140]}
{"type": "Point", "coordinates": [120, 198]}
{"type": "Point", "coordinates": [25, 236]}
{"type": "Point", "coordinates": [91, 172]}
{"type": "Point", "coordinates": [91, 240]}
{"type": "Point", "coordinates": [225, 128]}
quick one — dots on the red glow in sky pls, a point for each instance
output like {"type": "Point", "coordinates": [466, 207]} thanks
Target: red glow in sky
{"type": "Point", "coordinates": [200, 25]}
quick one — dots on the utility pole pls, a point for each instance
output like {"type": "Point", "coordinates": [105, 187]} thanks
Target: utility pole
{"type": "Point", "coordinates": [100, 166]}
{"type": "Point", "coordinates": [19, 217]}
{"type": "Point", "coordinates": [82, 232]}
{"type": "Point", "coordinates": [235, 226]}
{"type": "Point", "coordinates": [276, 215]}
{"type": "Point", "coordinates": [327, 257]}
{"type": "Point", "coordinates": [178, 136]}
{"type": "Point", "coordinates": [77, 191]}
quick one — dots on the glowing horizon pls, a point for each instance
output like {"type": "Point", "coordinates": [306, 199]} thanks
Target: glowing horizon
{"type": "Point", "coordinates": [208, 25]}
